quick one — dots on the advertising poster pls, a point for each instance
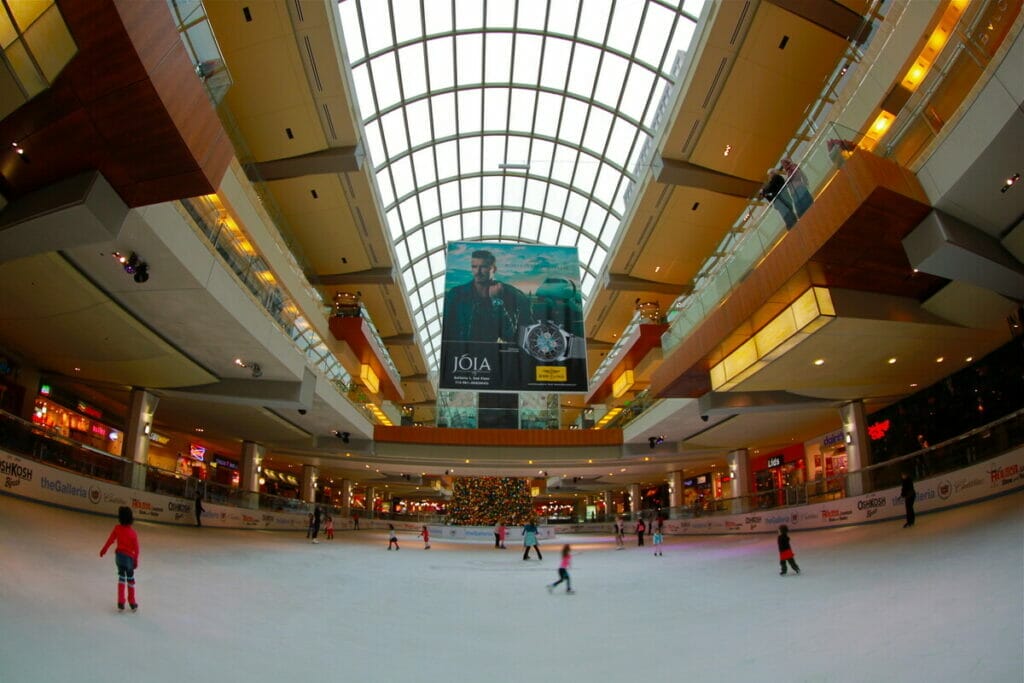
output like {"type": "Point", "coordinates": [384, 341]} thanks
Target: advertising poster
{"type": "Point", "coordinates": [513, 319]}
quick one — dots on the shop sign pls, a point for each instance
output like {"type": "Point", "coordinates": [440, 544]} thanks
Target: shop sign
{"type": "Point", "coordinates": [224, 462]}
{"type": "Point", "coordinates": [87, 409]}
{"type": "Point", "coordinates": [877, 430]}
{"type": "Point", "coordinates": [159, 438]}
{"type": "Point", "coordinates": [832, 439]}
{"type": "Point", "coordinates": [197, 452]}
{"type": "Point", "coordinates": [775, 461]}
{"type": "Point", "coordinates": [98, 430]}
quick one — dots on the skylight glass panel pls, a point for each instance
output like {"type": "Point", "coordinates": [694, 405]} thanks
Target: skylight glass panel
{"type": "Point", "coordinates": [462, 136]}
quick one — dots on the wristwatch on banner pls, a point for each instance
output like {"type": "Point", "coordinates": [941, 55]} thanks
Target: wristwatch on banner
{"type": "Point", "coordinates": [546, 341]}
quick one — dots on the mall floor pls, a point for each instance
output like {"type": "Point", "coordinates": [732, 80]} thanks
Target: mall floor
{"type": "Point", "coordinates": [943, 601]}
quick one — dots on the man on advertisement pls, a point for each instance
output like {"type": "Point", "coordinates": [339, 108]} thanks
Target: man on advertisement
{"type": "Point", "coordinates": [485, 310]}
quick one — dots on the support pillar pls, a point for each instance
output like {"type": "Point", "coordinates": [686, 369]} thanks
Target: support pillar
{"type": "Point", "coordinates": [634, 500]}
{"type": "Point", "coordinates": [346, 498]}
{"type": "Point", "coordinates": [739, 470]}
{"type": "Point", "coordinates": [371, 493]}
{"type": "Point", "coordinates": [141, 407]}
{"type": "Point", "coordinates": [249, 478]}
{"type": "Point", "coordinates": [309, 476]}
{"type": "Point", "coordinates": [30, 379]}
{"type": "Point", "coordinates": [675, 496]}
{"type": "Point", "coordinates": [609, 512]}
{"type": "Point", "coordinates": [858, 445]}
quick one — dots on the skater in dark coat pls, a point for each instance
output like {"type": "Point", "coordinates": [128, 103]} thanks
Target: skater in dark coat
{"type": "Point", "coordinates": [785, 551]}
{"type": "Point", "coordinates": [199, 509]}
{"type": "Point", "coordinates": [909, 496]}
{"type": "Point", "coordinates": [641, 527]}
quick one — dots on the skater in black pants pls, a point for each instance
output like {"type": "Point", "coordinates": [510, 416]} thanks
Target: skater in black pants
{"type": "Point", "coordinates": [785, 552]}
{"type": "Point", "coordinates": [530, 540]}
{"type": "Point", "coordinates": [909, 496]}
{"type": "Point", "coordinates": [640, 529]}
{"type": "Point", "coordinates": [199, 509]}
{"type": "Point", "coordinates": [317, 514]}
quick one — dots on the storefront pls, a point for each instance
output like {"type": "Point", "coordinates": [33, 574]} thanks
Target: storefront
{"type": "Point", "coordinates": [779, 476]}
{"type": "Point", "coordinates": [84, 423]}
{"type": "Point", "coordinates": [826, 457]}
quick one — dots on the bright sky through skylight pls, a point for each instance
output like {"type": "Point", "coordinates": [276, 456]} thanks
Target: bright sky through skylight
{"type": "Point", "coordinates": [448, 93]}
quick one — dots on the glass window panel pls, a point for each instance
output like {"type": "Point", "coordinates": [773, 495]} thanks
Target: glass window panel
{"type": "Point", "coordinates": [587, 282]}
{"type": "Point", "coordinates": [531, 16]}
{"type": "Point", "coordinates": [407, 20]}
{"type": "Point", "coordinates": [586, 247]}
{"type": "Point", "coordinates": [598, 128]}
{"type": "Point", "coordinates": [469, 155]}
{"type": "Point", "coordinates": [394, 132]}
{"type": "Point", "coordinates": [625, 21]}
{"type": "Point", "coordinates": [620, 140]}
{"type": "Point", "coordinates": [594, 19]}
{"type": "Point", "coordinates": [492, 190]}
{"type": "Point", "coordinates": [637, 92]}
{"type": "Point", "coordinates": [447, 159]}
{"type": "Point", "coordinates": [364, 94]}
{"type": "Point", "coordinates": [654, 34]}
{"type": "Point", "coordinates": [556, 63]}
{"type": "Point", "coordinates": [469, 14]}
{"type": "Point", "coordinates": [555, 202]}
{"type": "Point", "coordinates": [470, 105]}
{"type": "Point", "coordinates": [402, 252]}
{"type": "Point", "coordinates": [443, 107]}
{"type": "Point", "coordinates": [495, 108]}
{"type": "Point", "coordinates": [410, 213]}
{"type": "Point", "coordinates": [414, 71]}
{"type": "Point", "coordinates": [376, 26]}
{"type": "Point", "coordinates": [350, 28]}
{"type": "Point", "coordinates": [541, 157]}
{"type": "Point", "coordinates": [494, 153]}
{"type": "Point", "coordinates": [440, 62]}
{"type": "Point", "coordinates": [430, 207]}
{"type": "Point", "coordinates": [584, 70]}
{"type": "Point", "coordinates": [510, 221]}
{"type": "Point", "coordinates": [452, 229]}
{"type": "Point", "coordinates": [609, 80]}
{"type": "Point", "coordinates": [562, 17]}
{"type": "Point", "coordinates": [423, 163]}
{"type": "Point", "coordinates": [490, 222]}
{"type": "Point", "coordinates": [563, 164]}
{"type": "Point", "coordinates": [410, 280]}
{"type": "Point", "coordinates": [385, 80]}
{"type": "Point", "coordinates": [437, 16]}
{"type": "Point", "coordinates": [500, 14]}
{"type": "Point", "coordinates": [470, 192]}
{"type": "Point", "coordinates": [530, 228]}
{"type": "Point", "coordinates": [575, 208]}
{"type": "Point", "coordinates": [450, 198]}
{"type": "Point", "coordinates": [549, 231]}
{"type": "Point", "coordinates": [652, 110]}
{"type": "Point", "coordinates": [394, 223]}
{"type": "Point", "coordinates": [434, 236]}
{"type": "Point", "coordinates": [535, 194]}
{"type": "Point", "coordinates": [586, 172]}
{"type": "Point", "coordinates": [548, 107]}
{"type": "Point", "coordinates": [606, 182]}
{"type": "Point", "coordinates": [418, 116]}
{"type": "Point", "coordinates": [594, 221]}
{"type": "Point", "coordinates": [514, 187]}
{"type": "Point", "coordinates": [573, 116]}
{"type": "Point", "coordinates": [437, 259]}
{"type": "Point", "coordinates": [498, 68]}
{"type": "Point", "coordinates": [518, 149]}
{"type": "Point", "coordinates": [471, 225]}
{"type": "Point", "coordinates": [422, 271]}
{"type": "Point", "coordinates": [401, 170]}
{"type": "Point", "coordinates": [24, 70]}
{"type": "Point", "coordinates": [681, 38]}
{"type": "Point", "coordinates": [521, 112]}
{"type": "Point", "coordinates": [469, 55]}
{"type": "Point", "coordinates": [524, 69]}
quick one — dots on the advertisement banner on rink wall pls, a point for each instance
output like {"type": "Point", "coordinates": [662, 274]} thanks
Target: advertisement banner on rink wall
{"type": "Point", "coordinates": [30, 479]}
{"type": "Point", "coordinates": [513, 319]}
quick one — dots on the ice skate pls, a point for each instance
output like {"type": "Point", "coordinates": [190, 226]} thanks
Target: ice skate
{"type": "Point", "coordinates": [134, 606]}
{"type": "Point", "coordinates": [120, 607]}
{"type": "Point", "coordinates": [550, 588]}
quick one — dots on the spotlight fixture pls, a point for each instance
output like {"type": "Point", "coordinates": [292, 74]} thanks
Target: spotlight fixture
{"type": "Point", "coordinates": [656, 441]}
{"type": "Point", "coordinates": [704, 418]}
{"type": "Point", "coordinates": [344, 436]}
{"type": "Point", "coordinates": [250, 365]}
{"type": "Point", "coordinates": [133, 265]}
{"type": "Point", "coordinates": [1010, 182]}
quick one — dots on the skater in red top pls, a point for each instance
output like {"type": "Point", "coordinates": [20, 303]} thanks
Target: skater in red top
{"type": "Point", "coordinates": [426, 538]}
{"type": "Point", "coordinates": [126, 556]}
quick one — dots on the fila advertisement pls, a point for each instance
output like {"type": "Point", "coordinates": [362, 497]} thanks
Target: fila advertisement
{"type": "Point", "coordinates": [512, 319]}
{"type": "Point", "coordinates": [29, 479]}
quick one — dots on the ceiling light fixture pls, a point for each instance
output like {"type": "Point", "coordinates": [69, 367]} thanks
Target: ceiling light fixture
{"type": "Point", "coordinates": [250, 365]}
{"type": "Point", "coordinates": [1010, 182]}
{"type": "Point", "coordinates": [892, 361]}
{"type": "Point", "coordinates": [819, 361]}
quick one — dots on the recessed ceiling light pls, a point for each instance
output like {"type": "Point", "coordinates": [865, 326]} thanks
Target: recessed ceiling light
{"type": "Point", "coordinates": [892, 360]}
{"type": "Point", "coordinates": [725, 152]}
{"type": "Point", "coordinates": [200, 430]}
{"type": "Point", "coordinates": [467, 461]}
{"type": "Point", "coordinates": [529, 462]}
{"type": "Point", "coordinates": [819, 361]}
{"type": "Point", "coordinates": [657, 268]}
{"type": "Point", "coordinates": [914, 384]}
{"type": "Point", "coordinates": [940, 359]}
{"type": "Point", "coordinates": [969, 359]}
{"type": "Point", "coordinates": [590, 462]}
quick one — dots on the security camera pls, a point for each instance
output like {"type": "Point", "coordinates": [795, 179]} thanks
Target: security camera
{"type": "Point", "coordinates": [704, 418]}
{"type": "Point", "coordinates": [302, 411]}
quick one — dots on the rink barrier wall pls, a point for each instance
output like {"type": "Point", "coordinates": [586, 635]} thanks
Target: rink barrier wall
{"type": "Point", "coordinates": [993, 477]}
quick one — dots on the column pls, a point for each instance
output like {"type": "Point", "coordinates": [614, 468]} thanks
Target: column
{"type": "Point", "coordinates": [371, 493]}
{"type": "Point", "coordinates": [634, 500]}
{"type": "Point", "coordinates": [609, 513]}
{"type": "Point", "coordinates": [30, 379]}
{"type": "Point", "coordinates": [309, 475]}
{"type": "Point", "coordinates": [346, 498]}
{"type": "Point", "coordinates": [581, 509]}
{"type": "Point", "coordinates": [249, 479]}
{"type": "Point", "coordinates": [675, 496]}
{"type": "Point", "coordinates": [739, 470]}
{"type": "Point", "coordinates": [141, 407]}
{"type": "Point", "coordinates": [858, 446]}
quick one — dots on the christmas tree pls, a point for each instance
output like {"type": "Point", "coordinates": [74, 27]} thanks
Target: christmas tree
{"type": "Point", "coordinates": [482, 501]}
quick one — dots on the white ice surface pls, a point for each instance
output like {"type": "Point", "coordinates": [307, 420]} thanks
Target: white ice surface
{"type": "Point", "coordinates": [943, 601]}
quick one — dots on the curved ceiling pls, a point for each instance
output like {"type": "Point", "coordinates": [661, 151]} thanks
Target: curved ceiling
{"type": "Point", "coordinates": [511, 122]}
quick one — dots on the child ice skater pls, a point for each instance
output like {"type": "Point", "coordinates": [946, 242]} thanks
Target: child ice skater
{"type": "Point", "coordinates": [329, 528]}
{"type": "Point", "coordinates": [426, 538]}
{"type": "Point", "coordinates": [785, 552]}
{"type": "Point", "coordinates": [393, 538]}
{"type": "Point", "coordinates": [126, 556]}
{"type": "Point", "coordinates": [563, 571]}
{"type": "Point", "coordinates": [658, 538]}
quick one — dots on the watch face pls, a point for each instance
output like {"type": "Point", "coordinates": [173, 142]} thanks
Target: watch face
{"type": "Point", "coordinates": [546, 341]}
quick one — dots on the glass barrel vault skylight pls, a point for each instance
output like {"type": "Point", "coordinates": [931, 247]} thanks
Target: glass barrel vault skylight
{"type": "Point", "coordinates": [510, 120]}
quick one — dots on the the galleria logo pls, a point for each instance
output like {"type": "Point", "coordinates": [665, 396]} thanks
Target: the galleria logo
{"type": "Point", "coordinates": [468, 363]}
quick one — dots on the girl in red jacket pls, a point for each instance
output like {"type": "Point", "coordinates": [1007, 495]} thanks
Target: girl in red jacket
{"type": "Point", "coordinates": [126, 556]}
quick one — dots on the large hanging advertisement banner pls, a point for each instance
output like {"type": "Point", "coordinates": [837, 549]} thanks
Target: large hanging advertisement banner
{"type": "Point", "coordinates": [513, 319]}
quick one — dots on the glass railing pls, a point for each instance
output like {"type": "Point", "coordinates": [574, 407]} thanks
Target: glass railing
{"type": "Point", "coordinates": [758, 230]}
{"type": "Point", "coordinates": [201, 45]}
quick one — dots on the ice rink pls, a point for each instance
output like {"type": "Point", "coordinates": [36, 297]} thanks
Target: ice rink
{"type": "Point", "coordinates": [943, 601]}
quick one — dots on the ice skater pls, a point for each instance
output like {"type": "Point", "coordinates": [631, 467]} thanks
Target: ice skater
{"type": "Point", "coordinates": [658, 538]}
{"type": "Point", "coordinates": [426, 537]}
{"type": "Point", "coordinates": [317, 515]}
{"type": "Point", "coordinates": [909, 496]}
{"type": "Point", "coordinates": [392, 537]}
{"type": "Point", "coordinates": [785, 551]}
{"type": "Point", "coordinates": [499, 535]}
{"type": "Point", "coordinates": [640, 529]}
{"type": "Point", "coordinates": [199, 509]}
{"type": "Point", "coordinates": [620, 534]}
{"type": "Point", "coordinates": [530, 540]}
{"type": "Point", "coordinates": [329, 528]}
{"type": "Point", "coordinates": [126, 556]}
{"type": "Point", "coordinates": [563, 571]}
